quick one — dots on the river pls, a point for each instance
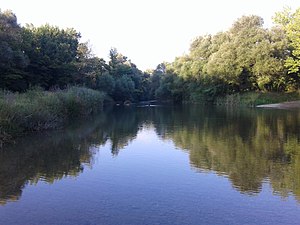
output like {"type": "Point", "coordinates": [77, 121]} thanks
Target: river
{"type": "Point", "coordinates": [157, 165]}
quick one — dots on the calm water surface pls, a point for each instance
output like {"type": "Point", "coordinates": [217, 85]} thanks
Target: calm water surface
{"type": "Point", "coordinates": [157, 165]}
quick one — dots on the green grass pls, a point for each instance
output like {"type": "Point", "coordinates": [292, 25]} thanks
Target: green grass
{"type": "Point", "coordinates": [252, 99]}
{"type": "Point", "coordinates": [38, 110]}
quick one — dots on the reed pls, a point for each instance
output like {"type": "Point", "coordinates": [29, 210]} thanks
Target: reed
{"type": "Point", "coordinates": [38, 110]}
{"type": "Point", "coordinates": [252, 99]}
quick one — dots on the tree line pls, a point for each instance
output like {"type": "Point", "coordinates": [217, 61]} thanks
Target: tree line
{"type": "Point", "coordinates": [245, 58]}
{"type": "Point", "coordinates": [54, 58]}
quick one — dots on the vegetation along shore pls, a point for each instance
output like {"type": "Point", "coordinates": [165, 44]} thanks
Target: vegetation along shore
{"type": "Point", "coordinates": [38, 110]}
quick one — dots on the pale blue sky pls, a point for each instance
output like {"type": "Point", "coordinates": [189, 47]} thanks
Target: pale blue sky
{"type": "Point", "coordinates": [147, 31]}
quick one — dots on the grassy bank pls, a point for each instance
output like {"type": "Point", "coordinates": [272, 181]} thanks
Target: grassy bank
{"type": "Point", "coordinates": [256, 98]}
{"type": "Point", "coordinates": [38, 110]}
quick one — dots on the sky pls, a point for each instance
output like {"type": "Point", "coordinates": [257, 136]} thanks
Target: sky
{"type": "Point", "coordinates": [148, 32]}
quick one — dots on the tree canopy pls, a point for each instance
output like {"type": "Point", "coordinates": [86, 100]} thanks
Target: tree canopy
{"type": "Point", "coordinates": [246, 57]}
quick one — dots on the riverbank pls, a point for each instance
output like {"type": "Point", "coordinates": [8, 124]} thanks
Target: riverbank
{"type": "Point", "coordinates": [38, 110]}
{"type": "Point", "coordinates": [253, 99]}
{"type": "Point", "coordinates": [283, 105]}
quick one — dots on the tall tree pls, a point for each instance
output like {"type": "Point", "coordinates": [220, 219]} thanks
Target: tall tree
{"type": "Point", "coordinates": [12, 57]}
{"type": "Point", "coordinates": [130, 82]}
{"type": "Point", "coordinates": [290, 22]}
{"type": "Point", "coordinates": [52, 52]}
{"type": "Point", "coordinates": [249, 60]}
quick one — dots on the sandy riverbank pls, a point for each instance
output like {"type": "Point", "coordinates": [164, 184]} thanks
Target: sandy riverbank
{"type": "Point", "coordinates": [283, 105]}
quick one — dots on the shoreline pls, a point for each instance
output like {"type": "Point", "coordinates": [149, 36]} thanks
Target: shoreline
{"type": "Point", "coordinates": [282, 105]}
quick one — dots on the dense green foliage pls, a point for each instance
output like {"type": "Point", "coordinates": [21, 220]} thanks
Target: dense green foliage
{"type": "Point", "coordinates": [245, 58]}
{"type": "Point", "coordinates": [52, 53]}
{"type": "Point", "coordinates": [52, 58]}
{"type": "Point", "coordinates": [290, 23]}
{"type": "Point", "coordinates": [38, 110]}
{"type": "Point", "coordinates": [13, 61]}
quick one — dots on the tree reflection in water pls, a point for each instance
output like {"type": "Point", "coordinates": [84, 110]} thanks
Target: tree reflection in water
{"type": "Point", "coordinates": [248, 146]}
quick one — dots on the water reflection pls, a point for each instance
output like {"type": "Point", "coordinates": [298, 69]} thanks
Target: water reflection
{"type": "Point", "coordinates": [248, 146]}
{"type": "Point", "coordinates": [47, 157]}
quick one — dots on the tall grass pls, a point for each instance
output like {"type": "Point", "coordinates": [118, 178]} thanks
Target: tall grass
{"type": "Point", "coordinates": [256, 98]}
{"type": "Point", "coordinates": [38, 110]}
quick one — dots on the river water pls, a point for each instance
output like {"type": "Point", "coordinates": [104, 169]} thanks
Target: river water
{"type": "Point", "coordinates": [157, 165]}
